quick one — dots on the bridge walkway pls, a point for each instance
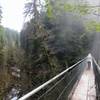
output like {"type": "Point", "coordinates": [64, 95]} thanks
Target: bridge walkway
{"type": "Point", "coordinates": [77, 82]}
{"type": "Point", "coordinates": [85, 89]}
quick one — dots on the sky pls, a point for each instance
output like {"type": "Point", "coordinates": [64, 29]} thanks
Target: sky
{"type": "Point", "coordinates": [13, 13]}
{"type": "Point", "coordinates": [94, 2]}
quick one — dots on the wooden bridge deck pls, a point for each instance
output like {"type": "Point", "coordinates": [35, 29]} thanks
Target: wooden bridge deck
{"type": "Point", "coordinates": [85, 89]}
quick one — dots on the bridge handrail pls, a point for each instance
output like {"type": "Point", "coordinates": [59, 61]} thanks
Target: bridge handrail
{"type": "Point", "coordinates": [98, 67]}
{"type": "Point", "coordinates": [49, 81]}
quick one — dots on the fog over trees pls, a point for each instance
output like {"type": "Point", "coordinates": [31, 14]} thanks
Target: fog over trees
{"type": "Point", "coordinates": [58, 34]}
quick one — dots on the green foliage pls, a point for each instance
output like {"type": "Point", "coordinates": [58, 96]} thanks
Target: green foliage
{"type": "Point", "coordinates": [69, 7]}
{"type": "Point", "coordinates": [93, 26]}
{"type": "Point", "coordinates": [54, 8]}
{"type": "Point", "coordinates": [49, 9]}
{"type": "Point", "coordinates": [10, 56]}
{"type": "Point", "coordinates": [0, 14]}
{"type": "Point", "coordinates": [1, 45]}
{"type": "Point", "coordinates": [83, 9]}
{"type": "Point", "coordinates": [52, 42]}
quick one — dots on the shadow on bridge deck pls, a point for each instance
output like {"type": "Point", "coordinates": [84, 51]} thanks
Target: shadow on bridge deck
{"type": "Point", "coordinates": [85, 89]}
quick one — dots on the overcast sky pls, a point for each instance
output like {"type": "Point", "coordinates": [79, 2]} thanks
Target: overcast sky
{"type": "Point", "coordinates": [94, 2]}
{"type": "Point", "coordinates": [13, 13]}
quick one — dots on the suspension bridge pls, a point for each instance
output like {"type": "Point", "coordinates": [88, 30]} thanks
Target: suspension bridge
{"type": "Point", "coordinates": [78, 82]}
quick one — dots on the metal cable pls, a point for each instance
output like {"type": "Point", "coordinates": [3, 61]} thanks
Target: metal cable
{"type": "Point", "coordinates": [50, 81]}
{"type": "Point", "coordinates": [68, 85]}
{"type": "Point", "coordinates": [51, 87]}
{"type": "Point", "coordinates": [97, 78]}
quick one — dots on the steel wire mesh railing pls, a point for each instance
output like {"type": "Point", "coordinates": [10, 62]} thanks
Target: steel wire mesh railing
{"type": "Point", "coordinates": [62, 90]}
{"type": "Point", "coordinates": [97, 78]}
{"type": "Point", "coordinates": [60, 86]}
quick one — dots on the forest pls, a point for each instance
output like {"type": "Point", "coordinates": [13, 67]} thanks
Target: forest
{"type": "Point", "coordinates": [55, 35]}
